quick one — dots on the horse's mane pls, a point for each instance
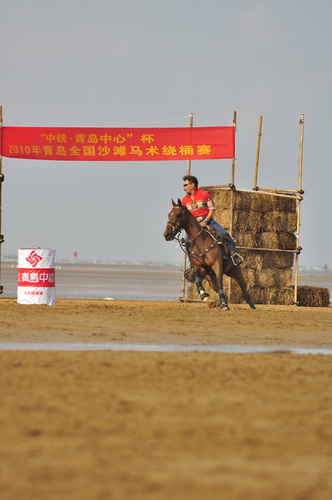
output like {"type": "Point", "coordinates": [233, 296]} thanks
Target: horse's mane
{"type": "Point", "coordinates": [179, 204]}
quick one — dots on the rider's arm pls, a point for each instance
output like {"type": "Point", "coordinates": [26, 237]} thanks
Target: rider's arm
{"type": "Point", "coordinates": [209, 216]}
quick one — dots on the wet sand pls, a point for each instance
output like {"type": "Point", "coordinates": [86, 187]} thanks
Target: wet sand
{"type": "Point", "coordinates": [154, 425]}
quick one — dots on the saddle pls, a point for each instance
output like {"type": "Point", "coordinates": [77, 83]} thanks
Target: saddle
{"type": "Point", "coordinates": [224, 239]}
{"type": "Point", "coordinates": [221, 239]}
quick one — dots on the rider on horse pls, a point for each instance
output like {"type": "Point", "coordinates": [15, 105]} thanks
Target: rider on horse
{"type": "Point", "coordinates": [201, 205]}
{"type": "Point", "coordinates": [208, 258]}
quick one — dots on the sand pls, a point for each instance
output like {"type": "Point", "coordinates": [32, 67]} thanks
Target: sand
{"type": "Point", "coordinates": [160, 425]}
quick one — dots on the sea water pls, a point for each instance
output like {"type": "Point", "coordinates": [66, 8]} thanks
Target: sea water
{"type": "Point", "coordinates": [77, 280]}
{"type": "Point", "coordinates": [227, 348]}
{"type": "Point", "coordinates": [103, 281]}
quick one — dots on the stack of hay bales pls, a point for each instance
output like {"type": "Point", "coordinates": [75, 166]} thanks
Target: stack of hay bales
{"type": "Point", "coordinates": [262, 221]}
{"type": "Point", "coordinates": [313, 296]}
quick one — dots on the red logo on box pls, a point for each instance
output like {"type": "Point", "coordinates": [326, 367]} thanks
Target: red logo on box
{"type": "Point", "coordinates": [33, 258]}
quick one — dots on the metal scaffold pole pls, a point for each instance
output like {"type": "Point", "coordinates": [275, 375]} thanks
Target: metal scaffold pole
{"type": "Point", "coordinates": [300, 192]}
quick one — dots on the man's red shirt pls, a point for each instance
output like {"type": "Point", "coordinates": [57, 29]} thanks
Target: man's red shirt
{"type": "Point", "coordinates": [200, 204]}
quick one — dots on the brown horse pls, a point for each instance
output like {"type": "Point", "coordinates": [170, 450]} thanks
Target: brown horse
{"type": "Point", "coordinates": [208, 257]}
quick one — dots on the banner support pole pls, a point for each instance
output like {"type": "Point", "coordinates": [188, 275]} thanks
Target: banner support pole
{"type": "Point", "coordinates": [1, 181]}
{"type": "Point", "coordinates": [183, 291]}
{"type": "Point", "coordinates": [233, 159]}
{"type": "Point", "coordinates": [191, 121]}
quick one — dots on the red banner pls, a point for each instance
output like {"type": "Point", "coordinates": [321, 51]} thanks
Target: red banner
{"type": "Point", "coordinates": [118, 144]}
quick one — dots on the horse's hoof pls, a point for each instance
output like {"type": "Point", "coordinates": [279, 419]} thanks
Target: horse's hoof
{"type": "Point", "coordinates": [249, 301]}
{"type": "Point", "coordinates": [251, 304]}
{"type": "Point", "coordinates": [224, 307]}
{"type": "Point", "coordinates": [205, 297]}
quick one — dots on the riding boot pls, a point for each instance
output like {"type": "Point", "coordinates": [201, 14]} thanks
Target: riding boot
{"type": "Point", "coordinates": [236, 258]}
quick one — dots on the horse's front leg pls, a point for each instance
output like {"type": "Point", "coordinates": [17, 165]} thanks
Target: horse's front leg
{"type": "Point", "coordinates": [200, 288]}
{"type": "Point", "coordinates": [215, 280]}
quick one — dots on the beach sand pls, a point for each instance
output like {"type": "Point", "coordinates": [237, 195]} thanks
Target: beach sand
{"type": "Point", "coordinates": [160, 425]}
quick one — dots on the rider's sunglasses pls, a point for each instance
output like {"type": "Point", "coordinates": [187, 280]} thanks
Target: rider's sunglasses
{"type": "Point", "coordinates": [184, 185]}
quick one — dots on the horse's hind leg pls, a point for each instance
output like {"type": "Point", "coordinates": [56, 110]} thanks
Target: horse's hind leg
{"type": "Point", "coordinates": [216, 284]}
{"type": "Point", "coordinates": [236, 273]}
{"type": "Point", "coordinates": [200, 288]}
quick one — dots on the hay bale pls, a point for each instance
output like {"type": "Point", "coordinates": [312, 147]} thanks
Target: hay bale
{"type": "Point", "coordinates": [313, 296]}
{"type": "Point", "coordinates": [270, 295]}
{"type": "Point", "coordinates": [262, 203]}
{"type": "Point", "coordinates": [279, 239]}
{"type": "Point", "coordinates": [254, 211]}
{"type": "Point", "coordinates": [274, 203]}
{"type": "Point", "coordinates": [283, 277]}
{"type": "Point", "coordinates": [242, 201]}
{"type": "Point", "coordinates": [307, 296]}
{"type": "Point", "coordinates": [257, 221]}
{"type": "Point", "coordinates": [263, 259]}
{"type": "Point", "coordinates": [252, 259]}
{"type": "Point", "coordinates": [268, 239]}
{"type": "Point", "coordinates": [248, 201]}
{"type": "Point", "coordinates": [288, 205]}
{"type": "Point", "coordinates": [223, 217]}
{"type": "Point", "coordinates": [279, 221]}
{"type": "Point", "coordinates": [279, 260]}
{"type": "Point", "coordinates": [273, 277]}
{"type": "Point", "coordinates": [287, 241]}
{"type": "Point", "coordinates": [247, 221]}
{"type": "Point", "coordinates": [278, 296]}
{"type": "Point", "coordinates": [246, 238]}
{"type": "Point", "coordinates": [266, 278]}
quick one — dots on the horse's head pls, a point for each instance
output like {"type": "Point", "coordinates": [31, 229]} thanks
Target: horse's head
{"type": "Point", "coordinates": [176, 220]}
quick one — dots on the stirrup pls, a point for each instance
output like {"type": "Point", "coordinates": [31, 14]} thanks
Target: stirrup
{"type": "Point", "coordinates": [236, 259]}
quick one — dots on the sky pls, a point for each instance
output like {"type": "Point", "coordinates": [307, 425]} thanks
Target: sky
{"type": "Point", "coordinates": [76, 63]}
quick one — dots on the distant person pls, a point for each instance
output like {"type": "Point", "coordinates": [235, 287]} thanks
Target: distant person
{"type": "Point", "coordinates": [201, 205]}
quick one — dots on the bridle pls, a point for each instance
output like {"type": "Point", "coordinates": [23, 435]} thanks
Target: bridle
{"type": "Point", "coordinates": [176, 227]}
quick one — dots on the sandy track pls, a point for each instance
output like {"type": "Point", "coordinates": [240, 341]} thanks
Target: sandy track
{"type": "Point", "coordinates": [120, 425]}
{"type": "Point", "coordinates": [164, 322]}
